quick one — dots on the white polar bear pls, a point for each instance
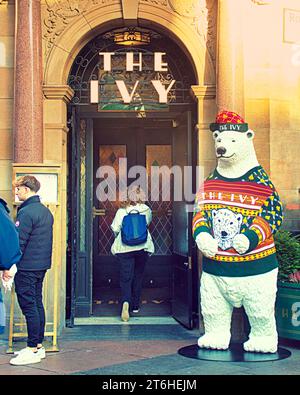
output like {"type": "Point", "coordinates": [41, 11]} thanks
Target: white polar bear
{"type": "Point", "coordinates": [236, 239]}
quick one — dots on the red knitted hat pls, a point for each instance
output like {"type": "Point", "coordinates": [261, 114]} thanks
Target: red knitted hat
{"type": "Point", "coordinates": [229, 120]}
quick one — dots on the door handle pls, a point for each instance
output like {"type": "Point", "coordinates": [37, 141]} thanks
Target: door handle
{"type": "Point", "coordinates": [160, 213]}
{"type": "Point", "coordinates": [189, 263]}
{"type": "Point", "coordinates": [98, 212]}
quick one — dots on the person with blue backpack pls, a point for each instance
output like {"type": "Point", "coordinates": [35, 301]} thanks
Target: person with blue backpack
{"type": "Point", "coordinates": [132, 245]}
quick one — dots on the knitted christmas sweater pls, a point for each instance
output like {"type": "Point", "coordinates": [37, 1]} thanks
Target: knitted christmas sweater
{"type": "Point", "coordinates": [250, 205]}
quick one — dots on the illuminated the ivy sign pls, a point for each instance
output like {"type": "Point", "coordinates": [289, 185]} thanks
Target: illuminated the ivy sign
{"type": "Point", "coordinates": [126, 81]}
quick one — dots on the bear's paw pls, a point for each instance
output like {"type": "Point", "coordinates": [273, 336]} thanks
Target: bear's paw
{"type": "Point", "coordinates": [241, 243]}
{"type": "Point", "coordinates": [264, 344]}
{"type": "Point", "coordinates": [207, 244]}
{"type": "Point", "coordinates": [215, 341]}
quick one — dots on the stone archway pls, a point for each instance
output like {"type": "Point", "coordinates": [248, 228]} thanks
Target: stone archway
{"type": "Point", "coordinates": [69, 24]}
{"type": "Point", "coordinates": [67, 29]}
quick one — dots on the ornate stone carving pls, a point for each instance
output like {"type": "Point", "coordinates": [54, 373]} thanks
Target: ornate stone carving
{"type": "Point", "coordinates": [188, 8]}
{"type": "Point", "coordinates": [163, 3]}
{"type": "Point", "coordinates": [205, 23]}
{"type": "Point", "coordinates": [59, 13]}
{"type": "Point", "coordinates": [203, 16]}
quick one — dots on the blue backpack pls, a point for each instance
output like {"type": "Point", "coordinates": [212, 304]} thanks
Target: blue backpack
{"type": "Point", "coordinates": [134, 230]}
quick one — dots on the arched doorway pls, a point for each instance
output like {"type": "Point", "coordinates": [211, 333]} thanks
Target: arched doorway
{"type": "Point", "coordinates": [144, 133]}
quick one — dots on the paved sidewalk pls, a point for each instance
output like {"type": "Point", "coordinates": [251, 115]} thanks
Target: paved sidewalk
{"type": "Point", "coordinates": [138, 350]}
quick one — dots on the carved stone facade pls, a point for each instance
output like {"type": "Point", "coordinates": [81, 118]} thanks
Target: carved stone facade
{"type": "Point", "coordinates": [200, 14]}
{"type": "Point", "coordinates": [163, 3]}
{"type": "Point", "coordinates": [58, 15]}
{"type": "Point", "coordinates": [203, 16]}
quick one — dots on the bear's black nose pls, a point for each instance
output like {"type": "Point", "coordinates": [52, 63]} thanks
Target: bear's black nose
{"type": "Point", "coordinates": [223, 233]}
{"type": "Point", "coordinates": [221, 150]}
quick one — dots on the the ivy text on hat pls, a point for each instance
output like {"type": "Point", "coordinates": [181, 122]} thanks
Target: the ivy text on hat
{"type": "Point", "coordinates": [229, 121]}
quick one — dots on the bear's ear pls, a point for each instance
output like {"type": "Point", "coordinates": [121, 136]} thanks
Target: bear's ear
{"type": "Point", "coordinates": [250, 134]}
{"type": "Point", "coordinates": [215, 134]}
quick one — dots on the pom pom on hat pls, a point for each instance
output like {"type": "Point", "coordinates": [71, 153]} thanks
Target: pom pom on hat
{"type": "Point", "coordinates": [229, 121]}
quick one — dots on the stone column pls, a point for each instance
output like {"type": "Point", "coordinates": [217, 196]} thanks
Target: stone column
{"type": "Point", "coordinates": [56, 100]}
{"type": "Point", "coordinates": [28, 99]}
{"type": "Point", "coordinates": [206, 103]}
{"type": "Point", "coordinates": [230, 67]}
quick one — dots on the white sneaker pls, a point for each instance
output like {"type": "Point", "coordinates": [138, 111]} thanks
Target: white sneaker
{"type": "Point", "coordinates": [125, 312]}
{"type": "Point", "coordinates": [41, 352]}
{"type": "Point", "coordinates": [25, 357]}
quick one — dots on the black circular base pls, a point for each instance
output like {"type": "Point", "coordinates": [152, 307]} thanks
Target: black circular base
{"type": "Point", "coordinates": [235, 353]}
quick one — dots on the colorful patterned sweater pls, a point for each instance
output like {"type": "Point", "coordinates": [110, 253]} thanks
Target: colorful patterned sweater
{"type": "Point", "coordinates": [249, 205]}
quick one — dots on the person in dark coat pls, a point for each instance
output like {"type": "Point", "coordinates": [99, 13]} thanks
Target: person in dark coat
{"type": "Point", "coordinates": [10, 252]}
{"type": "Point", "coordinates": [35, 224]}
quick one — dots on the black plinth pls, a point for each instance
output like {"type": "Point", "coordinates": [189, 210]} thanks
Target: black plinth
{"type": "Point", "coordinates": [235, 353]}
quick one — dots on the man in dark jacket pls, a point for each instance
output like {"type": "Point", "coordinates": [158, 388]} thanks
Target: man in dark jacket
{"type": "Point", "coordinates": [35, 224]}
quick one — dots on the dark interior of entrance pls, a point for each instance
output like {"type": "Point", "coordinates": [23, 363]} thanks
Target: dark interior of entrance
{"type": "Point", "coordinates": [144, 143]}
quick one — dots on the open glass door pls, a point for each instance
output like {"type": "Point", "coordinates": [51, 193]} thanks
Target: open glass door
{"type": "Point", "coordinates": [72, 249]}
{"type": "Point", "coordinates": [79, 297]}
{"type": "Point", "coordinates": [185, 284]}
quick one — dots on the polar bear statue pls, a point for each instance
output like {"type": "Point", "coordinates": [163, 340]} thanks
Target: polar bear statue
{"type": "Point", "coordinates": [237, 211]}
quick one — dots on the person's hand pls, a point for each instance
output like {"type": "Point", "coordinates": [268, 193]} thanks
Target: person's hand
{"type": "Point", "coordinates": [7, 275]}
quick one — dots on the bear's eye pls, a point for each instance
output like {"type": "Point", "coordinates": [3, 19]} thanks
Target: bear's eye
{"type": "Point", "coordinates": [219, 220]}
{"type": "Point", "coordinates": [231, 223]}
{"type": "Point", "coordinates": [233, 141]}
